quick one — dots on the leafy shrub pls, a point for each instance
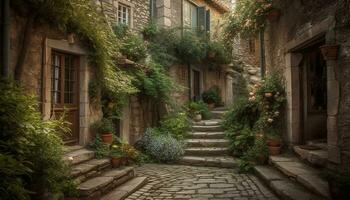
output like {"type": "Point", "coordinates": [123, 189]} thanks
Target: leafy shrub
{"type": "Point", "coordinates": [217, 54]}
{"type": "Point", "coordinates": [201, 107]}
{"type": "Point", "coordinates": [176, 124]}
{"type": "Point", "coordinates": [31, 149]}
{"type": "Point", "coordinates": [160, 147]}
{"type": "Point", "coordinates": [190, 48]}
{"type": "Point", "coordinates": [103, 126]}
{"type": "Point", "coordinates": [155, 83]}
{"type": "Point", "coordinates": [134, 48]}
{"type": "Point", "coordinates": [121, 30]}
{"type": "Point", "coordinates": [211, 96]}
{"type": "Point", "coordinates": [150, 31]}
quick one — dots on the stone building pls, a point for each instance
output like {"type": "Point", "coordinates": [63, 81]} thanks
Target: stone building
{"type": "Point", "coordinates": [204, 15]}
{"type": "Point", "coordinates": [317, 87]}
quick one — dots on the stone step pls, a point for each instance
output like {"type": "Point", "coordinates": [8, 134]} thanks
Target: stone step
{"type": "Point", "coordinates": [207, 143]}
{"type": "Point", "coordinates": [89, 169]}
{"type": "Point", "coordinates": [220, 109]}
{"type": "Point", "coordinates": [212, 122]}
{"type": "Point", "coordinates": [124, 190]}
{"type": "Point", "coordinates": [207, 128]}
{"type": "Point", "coordinates": [78, 156]}
{"type": "Point", "coordinates": [206, 135]}
{"type": "Point", "coordinates": [217, 161]}
{"type": "Point", "coordinates": [218, 114]}
{"type": "Point", "coordinates": [96, 187]}
{"type": "Point", "coordinates": [68, 149]}
{"type": "Point", "coordinates": [322, 144]}
{"type": "Point", "coordinates": [283, 186]}
{"type": "Point", "coordinates": [206, 151]}
{"type": "Point", "coordinates": [315, 157]}
{"type": "Point", "coordinates": [305, 175]}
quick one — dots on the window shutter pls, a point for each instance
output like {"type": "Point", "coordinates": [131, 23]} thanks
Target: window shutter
{"type": "Point", "coordinates": [207, 22]}
{"type": "Point", "coordinates": [201, 20]}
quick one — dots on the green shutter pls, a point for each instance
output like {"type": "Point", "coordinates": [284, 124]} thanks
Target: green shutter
{"type": "Point", "coordinates": [207, 22]}
{"type": "Point", "coordinates": [201, 20]}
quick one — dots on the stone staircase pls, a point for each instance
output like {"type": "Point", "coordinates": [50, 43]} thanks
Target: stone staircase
{"type": "Point", "coordinates": [291, 178]}
{"type": "Point", "coordinates": [97, 179]}
{"type": "Point", "coordinates": [206, 145]}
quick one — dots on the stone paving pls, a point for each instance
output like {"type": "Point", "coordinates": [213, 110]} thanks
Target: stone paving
{"type": "Point", "coordinates": [198, 183]}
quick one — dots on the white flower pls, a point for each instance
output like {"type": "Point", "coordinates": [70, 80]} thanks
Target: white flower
{"type": "Point", "coordinates": [251, 93]}
{"type": "Point", "coordinates": [70, 158]}
{"type": "Point", "coordinates": [270, 120]}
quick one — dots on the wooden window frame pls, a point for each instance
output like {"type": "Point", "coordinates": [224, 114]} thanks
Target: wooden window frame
{"type": "Point", "coordinates": [126, 4]}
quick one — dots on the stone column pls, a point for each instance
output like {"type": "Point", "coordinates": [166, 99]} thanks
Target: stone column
{"type": "Point", "coordinates": [293, 98]}
{"type": "Point", "coordinates": [163, 13]}
{"type": "Point", "coordinates": [228, 88]}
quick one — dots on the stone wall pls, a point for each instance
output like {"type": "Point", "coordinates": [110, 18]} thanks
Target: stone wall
{"type": "Point", "coordinates": [140, 11]}
{"type": "Point", "coordinates": [300, 22]}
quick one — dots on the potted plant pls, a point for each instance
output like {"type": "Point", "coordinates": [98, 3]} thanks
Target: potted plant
{"type": "Point", "coordinates": [339, 182]}
{"type": "Point", "coordinates": [129, 153]}
{"type": "Point", "coordinates": [197, 116]}
{"type": "Point", "coordinates": [330, 51]}
{"type": "Point", "coordinates": [273, 15]}
{"type": "Point", "coordinates": [274, 142]}
{"type": "Point", "coordinates": [211, 97]}
{"type": "Point", "coordinates": [116, 156]}
{"type": "Point", "coordinates": [104, 127]}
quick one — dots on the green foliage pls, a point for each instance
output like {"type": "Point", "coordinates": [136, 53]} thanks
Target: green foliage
{"type": "Point", "coordinates": [31, 149]}
{"type": "Point", "coordinates": [212, 96]}
{"type": "Point", "coordinates": [258, 115]}
{"type": "Point", "coordinates": [176, 124]}
{"type": "Point", "coordinates": [134, 48]}
{"type": "Point", "coordinates": [190, 48]}
{"type": "Point", "coordinates": [217, 54]}
{"type": "Point", "coordinates": [247, 18]}
{"type": "Point", "coordinates": [150, 30]}
{"type": "Point", "coordinates": [155, 83]}
{"type": "Point", "coordinates": [198, 107]}
{"type": "Point", "coordinates": [121, 30]}
{"type": "Point", "coordinates": [103, 126]}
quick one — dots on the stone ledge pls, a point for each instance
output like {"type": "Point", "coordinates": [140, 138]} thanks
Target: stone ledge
{"type": "Point", "coordinates": [206, 135]}
{"type": "Point", "coordinates": [207, 151]}
{"type": "Point", "coordinates": [224, 162]}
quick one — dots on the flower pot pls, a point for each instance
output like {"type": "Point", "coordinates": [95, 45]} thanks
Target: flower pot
{"type": "Point", "coordinates": [330, 52]}
{"type": "Point", "coordinates": [274, 150]}
{"type": "Point", "coordinates": [116, 162]}
{"type": "Point", "coordinates": [211, 106]}
{"type": "Point", "coordinates": [268, 94]}
{"type": "Point", "coordinates": [274, 142]}
{"type": "Point", "coordinates": [197, 117]}
{"type": "Point", "coordinates": [262, 159]}
{"type": "Point", "coordinates": [107, 138]}
{"type": "Point", "coordinates": [124, 161]}
{"type": "Point", "coordinates": [273, 15]}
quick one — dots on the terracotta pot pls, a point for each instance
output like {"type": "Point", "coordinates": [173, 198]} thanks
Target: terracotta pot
{"type": "Point", "coordinates": [330, 52]}
{"type": "Point", "coordinates": [107, 138]}
{"type": "Point", "coordinates": [274, 150]}
{"type": "Point", "coordinates": [262, 159]}
{"type": "Point", "coordinates": [274, 142]}
{"type": "Point", "coordinates": [197, 117]}
{"type": "Point", "coordinates": [268, 94]}
{"type": "Point", "coordinates": [116, 162]}
{"type": "Point", "coordinates": [125, 161]}
{"type": "Point", "coordinates": [273, 15]}
{"type": "Point", "coordinates": [211, 106]}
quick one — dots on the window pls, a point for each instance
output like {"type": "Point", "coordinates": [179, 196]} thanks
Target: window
{"type": "Point", "coordinates": [153, 9]}
{"type": "Point", "coordinates": [124, 14]}
{"type": "Point", "coordinates": [190, 14]}
{"type": "Point", "coordinates": [251, 46]}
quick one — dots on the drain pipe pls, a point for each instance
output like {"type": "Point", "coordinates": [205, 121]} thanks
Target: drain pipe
{"type": "Point", "coordinates": [5, 37]}
{"type": "Point", "coordinates": [189, 82]}
{"type": "Point", "coordinates": [262, 54]}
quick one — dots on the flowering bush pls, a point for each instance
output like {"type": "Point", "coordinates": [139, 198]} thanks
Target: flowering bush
{"type": "Point", "coordinates": [160, 147]}
{"type": "Point", "coordinates": [248, 17]}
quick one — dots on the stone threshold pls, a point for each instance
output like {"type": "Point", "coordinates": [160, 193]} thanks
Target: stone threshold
{"type": "Point", "coordinates": [123, 191]}
{"type": "Point", "coordinates": [208, 161]}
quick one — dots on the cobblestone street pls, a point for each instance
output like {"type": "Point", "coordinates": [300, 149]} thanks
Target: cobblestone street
{"type": "Point", "coordinates": [187, 182]}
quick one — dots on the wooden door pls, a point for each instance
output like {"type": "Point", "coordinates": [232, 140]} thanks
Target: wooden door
{"type": "Point", "coordinates": [196, 85]}
{"type": "Point", "coordinates": [314, 94]}
{"type": "Point", "coordinates": [64, 92]}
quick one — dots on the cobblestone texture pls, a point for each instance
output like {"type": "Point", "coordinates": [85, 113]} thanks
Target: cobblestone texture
{"type": "Point", "coordinates": [188, 182]}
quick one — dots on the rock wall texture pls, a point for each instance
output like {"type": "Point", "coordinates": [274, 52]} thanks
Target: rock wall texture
{"type": "Point", "coordinates": [301, 20]}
